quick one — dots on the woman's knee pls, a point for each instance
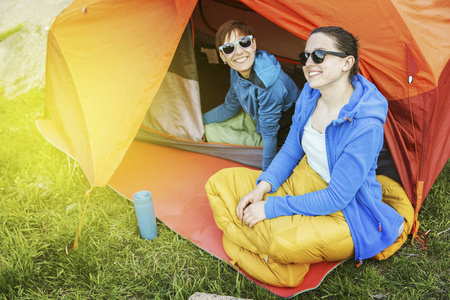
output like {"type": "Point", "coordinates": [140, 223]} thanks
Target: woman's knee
{"type": "Point", "coordinates": [303, 239]}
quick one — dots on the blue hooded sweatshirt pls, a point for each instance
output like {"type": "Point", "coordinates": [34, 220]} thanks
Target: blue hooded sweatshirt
{"type": "Point", "coordinates": [273, 93]}
{"type": "Point", "coordinates": [353, 142]}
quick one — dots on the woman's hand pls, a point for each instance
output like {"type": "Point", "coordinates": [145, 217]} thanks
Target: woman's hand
{"type": "Point", "coordinates": [254, 213]}
{"type": "Point", "coordinates": [254, 196]}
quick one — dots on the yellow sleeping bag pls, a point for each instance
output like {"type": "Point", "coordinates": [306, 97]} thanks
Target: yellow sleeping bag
{"type": "Point", "coordinates": [279, 251]}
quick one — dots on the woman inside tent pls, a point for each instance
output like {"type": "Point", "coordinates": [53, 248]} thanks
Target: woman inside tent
{"type": "Point", "coordinates": [258, 86]}
{"type": "Point", "coordinates": [319, 200]}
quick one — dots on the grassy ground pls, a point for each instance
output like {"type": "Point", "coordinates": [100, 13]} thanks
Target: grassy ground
{"type": "Point", "coordinates": [8, 33]}
{"type": "Point", "coordinates": [42, 199]}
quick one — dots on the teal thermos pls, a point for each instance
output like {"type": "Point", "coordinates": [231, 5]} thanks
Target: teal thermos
{"type": "Point", "coordinates": [145, 213]}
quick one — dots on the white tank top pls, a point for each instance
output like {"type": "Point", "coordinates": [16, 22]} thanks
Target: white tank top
{"type": "Point", "coordinates": [313, 143]}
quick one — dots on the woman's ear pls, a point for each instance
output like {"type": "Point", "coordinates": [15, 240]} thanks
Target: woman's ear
{"type": "Point", "coordinates": [349, 62]}
{"type": "Point", "coordinates": [254, 43]}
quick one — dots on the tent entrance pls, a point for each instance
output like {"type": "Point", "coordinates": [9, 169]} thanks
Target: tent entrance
{"type": "Point", "coordinates": [197, 81]}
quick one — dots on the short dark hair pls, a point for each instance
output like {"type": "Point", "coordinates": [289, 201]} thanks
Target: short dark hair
{"type": "Point", "coordinates": [345, 42]}
{"type": "Point", "coordinates": [228, 27]}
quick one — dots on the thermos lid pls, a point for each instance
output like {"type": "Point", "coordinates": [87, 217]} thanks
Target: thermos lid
{"type": "Point", "coordinates": [142, 197]}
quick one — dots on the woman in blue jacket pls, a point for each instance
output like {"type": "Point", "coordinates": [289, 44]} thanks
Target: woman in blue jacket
{"type": "Point", "coordinates": [319, 200]}
{"type": "Point", "coordinates": [258, 86]}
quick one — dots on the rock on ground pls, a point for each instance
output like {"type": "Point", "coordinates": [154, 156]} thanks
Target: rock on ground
{"type": "Point", "coordinates": [203, 296]}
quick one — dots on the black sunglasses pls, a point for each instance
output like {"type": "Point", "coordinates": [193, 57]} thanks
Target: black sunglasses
{"type": "Point", "coordinates": [317, 56]}
{"type": "Point", "coordinates": [229, 48]}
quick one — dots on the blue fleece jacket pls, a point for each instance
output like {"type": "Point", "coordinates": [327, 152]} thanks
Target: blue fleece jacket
{"type": "Point", "coordinates": [265, 102]}
{"type": "Point", "coordinates": [353, 142]}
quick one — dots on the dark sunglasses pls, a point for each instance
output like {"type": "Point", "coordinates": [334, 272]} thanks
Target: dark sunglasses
{"type": "Point", "coordinates": [229, 48]}
{"type": "Point", "coordinates": [317, 56]}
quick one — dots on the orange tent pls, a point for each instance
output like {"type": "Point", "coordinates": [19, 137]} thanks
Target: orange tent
{"type": "Point", "coordinates": [108, 61]}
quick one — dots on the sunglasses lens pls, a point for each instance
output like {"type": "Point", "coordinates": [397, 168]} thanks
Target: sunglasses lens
{"type": "Point", "coordinates": [245, 42]}
{"type": "Point", "coordinates": [318, 56]}
{"type": "Point", "coordinates": [228, 48]}
{"type": "Point", "coordinates": [303, 57]}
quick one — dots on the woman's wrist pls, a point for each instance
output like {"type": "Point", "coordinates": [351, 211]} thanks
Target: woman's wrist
{"type": "Point", "coordinates": [264, 187]}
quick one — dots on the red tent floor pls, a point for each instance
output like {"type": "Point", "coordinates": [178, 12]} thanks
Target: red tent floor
{"type": "Point", "coordinates": [176, 179]}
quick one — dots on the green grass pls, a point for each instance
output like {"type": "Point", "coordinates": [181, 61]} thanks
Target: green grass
{"type": "Point", "coordinates": [42, 200]}
{"type": "Point", "coordinates": [4, 35]}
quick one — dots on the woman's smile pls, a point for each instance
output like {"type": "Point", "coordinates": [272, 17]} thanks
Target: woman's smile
{"type": "Point", "coordinates": [312, 74]}
{"type": "Point", "coordinates": [241, 59]}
